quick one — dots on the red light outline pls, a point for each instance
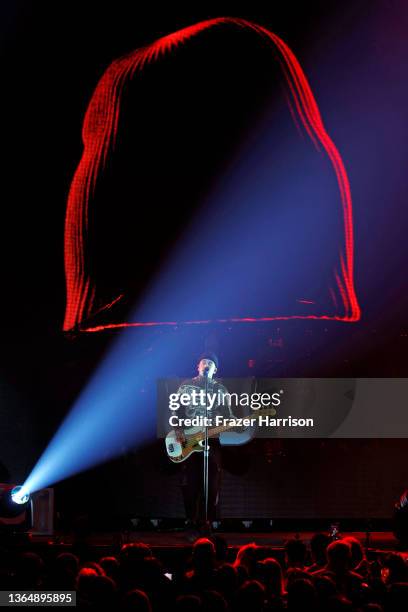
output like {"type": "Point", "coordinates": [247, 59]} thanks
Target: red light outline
{"type": "Point", "coordinates": [99, 135]}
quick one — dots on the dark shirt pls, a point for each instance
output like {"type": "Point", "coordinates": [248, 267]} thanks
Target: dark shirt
{"type": "Point", "coordinates": [221, 405]}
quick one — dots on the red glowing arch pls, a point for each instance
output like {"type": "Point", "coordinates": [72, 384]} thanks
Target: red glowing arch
{"type": "Point", "coordinates": [99, 134]}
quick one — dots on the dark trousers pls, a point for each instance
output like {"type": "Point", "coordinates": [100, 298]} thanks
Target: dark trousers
{"type": "Point", "coordinates": [192, 484]}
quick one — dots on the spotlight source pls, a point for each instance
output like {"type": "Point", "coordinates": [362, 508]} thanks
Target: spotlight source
{"type": "Point", "coordinates": [19, 496]}
{"type": "Point", "coordinates": [15, 505]}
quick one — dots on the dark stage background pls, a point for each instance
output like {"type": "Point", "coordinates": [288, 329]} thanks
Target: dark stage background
{"type": "Point", "coordinates": [354, 54]}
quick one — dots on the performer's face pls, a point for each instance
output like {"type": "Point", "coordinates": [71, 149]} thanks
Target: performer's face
{"type": "Point", "coordinates": [203, 364]}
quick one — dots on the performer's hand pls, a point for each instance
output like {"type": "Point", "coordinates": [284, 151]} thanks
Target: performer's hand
{"type": "Point", "coordinates": [180, 436]}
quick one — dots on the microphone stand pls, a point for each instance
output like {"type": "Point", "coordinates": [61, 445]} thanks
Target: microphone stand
{"type": "Point", "coordinates": [206, 454]}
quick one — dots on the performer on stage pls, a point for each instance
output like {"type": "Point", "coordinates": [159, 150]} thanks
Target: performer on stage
{"type": "Point", "coordinates": [192, 468]}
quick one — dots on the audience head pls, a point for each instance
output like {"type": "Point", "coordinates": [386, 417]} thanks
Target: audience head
{"type": "Point", "coordinates": [203, 558]}
{"type": "Point", "coordinates": [95, 590]}
{"type": "Point", "coordinates": [188, 603]}
{"type": "Point", "coordinates": [131, 558]}
{"type": "Point", "coordinates": [110, 566]}
{"type": "Point", "coordinates": [339, 556]}
{"type": "Point", "coordinates": [270, 574]}
{"type": "Point", "coordinates": [29, 571]}
{"type": "Point", "coordinates": [318, 547]}
{"type": "Point", "coordinates": [98, 569]}
{"type": "Point", "coordinates": [151, 573]}
{"type": "Point", "coordinates": [136, 600]}
{"type": "Point", "coordinates": [247, 557]}
{"type": "Point", "coordinates": [251, 596]}
{"type": "Point", "coordinates": [64, 571]}
{"type": "Point", "coordinates": [397, 569]}
{"type": "Point", "coordinates": [212, 601]}
{"type": "Point", "coordinates": [295, 551]}
{"type": "Point", "coordinates": [134, 553]}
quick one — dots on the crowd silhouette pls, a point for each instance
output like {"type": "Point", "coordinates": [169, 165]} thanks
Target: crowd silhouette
{"type": "Point", "coordinates": [325, 576]}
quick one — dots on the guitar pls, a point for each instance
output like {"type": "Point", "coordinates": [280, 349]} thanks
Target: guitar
{"type": "Point", "coordinates": [194, 439]}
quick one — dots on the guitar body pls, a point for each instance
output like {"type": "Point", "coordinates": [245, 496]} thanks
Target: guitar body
{"type": "Point", "coordinates": [180, 451]}
{"type": "Point", "coordinates": [194, 439]}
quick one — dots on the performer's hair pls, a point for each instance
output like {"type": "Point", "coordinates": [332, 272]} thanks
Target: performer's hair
{"type": "Point", "coordinates": [211, 356]}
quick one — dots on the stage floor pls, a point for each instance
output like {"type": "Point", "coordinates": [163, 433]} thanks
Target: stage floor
{"type": "Point", "coordinates": [379, 540]}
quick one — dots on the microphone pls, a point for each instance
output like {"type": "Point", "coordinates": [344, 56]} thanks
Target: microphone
{"type": "Point", "coordinates": [206, 370]}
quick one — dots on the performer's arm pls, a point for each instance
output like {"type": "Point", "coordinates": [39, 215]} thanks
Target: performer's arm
{"type": "Point", "coordinates": [180, 435]}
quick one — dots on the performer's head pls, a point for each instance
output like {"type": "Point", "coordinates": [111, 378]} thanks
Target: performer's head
{"type": "Point", "coordinates": [210, 361]}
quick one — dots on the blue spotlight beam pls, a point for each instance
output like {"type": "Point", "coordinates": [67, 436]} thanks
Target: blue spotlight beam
{"type": "Point", "coordinates": [116, 410]}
